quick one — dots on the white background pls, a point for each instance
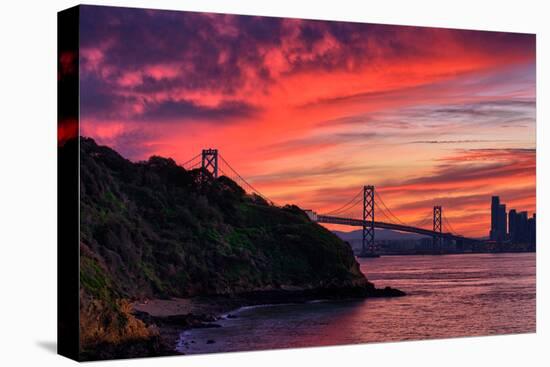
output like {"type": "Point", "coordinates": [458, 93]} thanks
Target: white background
{"type": "Point", "coordinates": [28, 182]}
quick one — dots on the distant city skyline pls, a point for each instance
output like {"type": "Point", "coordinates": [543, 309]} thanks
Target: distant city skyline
{"type": "Point", "coordinates": [310, 111]}
{"type": "Point", "coordinates": [515, 226]}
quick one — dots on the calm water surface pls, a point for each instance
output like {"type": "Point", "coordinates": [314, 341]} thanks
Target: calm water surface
{"type": "Point", "coordinates": [448, 296]}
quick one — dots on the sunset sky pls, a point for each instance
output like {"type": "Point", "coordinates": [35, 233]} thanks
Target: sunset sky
{"type": "Point", "coordinates": [310, 111]}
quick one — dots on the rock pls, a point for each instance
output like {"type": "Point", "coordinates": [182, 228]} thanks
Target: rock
{"type": "Point", "coordinates": [388, 292]}
{"type": "Point", "coordinates": [281, 255]}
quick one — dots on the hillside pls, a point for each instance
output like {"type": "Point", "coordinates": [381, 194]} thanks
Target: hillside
{"type": "Point", "coordinates": [154, 230]}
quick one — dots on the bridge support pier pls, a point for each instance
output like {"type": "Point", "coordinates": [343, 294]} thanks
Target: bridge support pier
{"type": "Point", "coordinates": [368, 248]}
{"type": "Point", "coordinates": [438, 228]}
{"type": "Point", "coordinates": [210, 161]}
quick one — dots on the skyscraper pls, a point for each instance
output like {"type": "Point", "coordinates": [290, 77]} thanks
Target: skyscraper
{"type": "Point", "coordinates": [512, 225]}
{"type": "Point", "coordinates": [522, 227]}
{"type": "Point", "coordinates": [502, 228]}
{"type": "Point", "coordinates": [532, 230]}
{"type": "Point", "coordinates": [498, 220]}
{"type": "Point", "coordinates": [495, 202]}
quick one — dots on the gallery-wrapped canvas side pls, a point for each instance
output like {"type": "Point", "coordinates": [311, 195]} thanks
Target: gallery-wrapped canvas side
{"type": "Point", "coordinates": [67, 175]}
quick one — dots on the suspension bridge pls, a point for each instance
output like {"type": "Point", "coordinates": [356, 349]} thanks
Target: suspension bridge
{"type": "Point", "coordinates": [358, 212]}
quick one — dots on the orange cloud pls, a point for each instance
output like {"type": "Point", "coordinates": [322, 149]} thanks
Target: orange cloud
{"type": "Point", "coordinates": [310, 111]}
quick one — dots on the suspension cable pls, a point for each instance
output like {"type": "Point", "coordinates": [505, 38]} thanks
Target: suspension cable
{"type": "Point", "coordinates": [383, 213]}
{"type": "Point", "coordinates": [449, 224]}
{"type": "Point", "coordinates": [246, 182]}
{"type": "Point", "coordinates": [424, 221]}
{"type": "Point", "coordinates": [336, 211]}
{"type": "Point", "coordinates": [189, 161]}
{"type": "Point", "coordinates": [388, 209]}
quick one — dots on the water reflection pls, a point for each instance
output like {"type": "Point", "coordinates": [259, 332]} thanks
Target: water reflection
{"type": "Point", "coordinates": [448, 296]}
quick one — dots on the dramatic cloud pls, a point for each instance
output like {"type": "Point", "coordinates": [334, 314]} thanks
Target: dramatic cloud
{"type": "Point", "coordinates": [475, 167]}
{"type": "Point", "coordinates": [312, 110]}
{"type": "Point", "coordinates": [184, 110]}
{"type": "Point", "coordinates": [453, 141]}
{"type": "Point", "coordinates": [319, 142]}
{"type": "Point", "coordinates": [464, 183]}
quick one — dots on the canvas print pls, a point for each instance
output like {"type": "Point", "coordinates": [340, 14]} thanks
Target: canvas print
{"type": "Point", "coordinates": [243, 183]}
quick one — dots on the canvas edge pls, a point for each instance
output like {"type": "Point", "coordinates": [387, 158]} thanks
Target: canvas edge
{"type": "Point", "coordinates": [68, 263]}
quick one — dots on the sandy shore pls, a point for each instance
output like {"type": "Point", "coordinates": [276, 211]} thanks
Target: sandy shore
{"type": "Point", "coordinates": [174, 315]}
{"type": "Point", "coordinates": [176, 306]}
{"type": "Point", "coordinates": [215, 305]}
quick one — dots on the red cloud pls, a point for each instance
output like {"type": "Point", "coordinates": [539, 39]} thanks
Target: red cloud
{"type": "Point", "coordinates": [282, 97]}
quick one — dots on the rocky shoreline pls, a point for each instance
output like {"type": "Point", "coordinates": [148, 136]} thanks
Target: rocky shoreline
{"type": "Point", "coordinates": [171, 316]}
{"type": "Point", "coordinates": [154, 230]}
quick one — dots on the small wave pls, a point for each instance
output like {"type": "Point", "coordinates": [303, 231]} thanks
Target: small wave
{"type": "Point", "coordinates": [264, 305]}
{"type": "Point", "coordinates": [320, 301]}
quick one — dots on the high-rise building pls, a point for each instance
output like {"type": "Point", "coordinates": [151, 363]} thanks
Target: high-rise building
{"type": "Point", "coordinates": [512, 225]}
{"type": "Point", "coordinates": [532, 230]}
{"type": "Point", "coordinates": [495, 202]}
{"type": "Point", "coordinates": [498, 220]}
{"type": "Point", "coordinates": [522, 227]}
{"type": "Point", "coordinates": [515, 226]}
{"type": "Point", "coordinates": [502, 228]}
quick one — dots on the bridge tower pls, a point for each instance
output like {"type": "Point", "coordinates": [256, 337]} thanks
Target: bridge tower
{"type": "Point", "coordinates": [368, 248]}
{"type": "Point", "coordinates": [437, 227]}
{"type": "Point", "coordinates": [210, 161]}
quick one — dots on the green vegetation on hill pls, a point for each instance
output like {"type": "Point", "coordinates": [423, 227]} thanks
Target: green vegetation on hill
{"type": "Point", "coordinates": [153, 229]}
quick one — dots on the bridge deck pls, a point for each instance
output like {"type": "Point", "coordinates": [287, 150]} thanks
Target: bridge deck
{"type": "Point", "coordinates": [385, 225]}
